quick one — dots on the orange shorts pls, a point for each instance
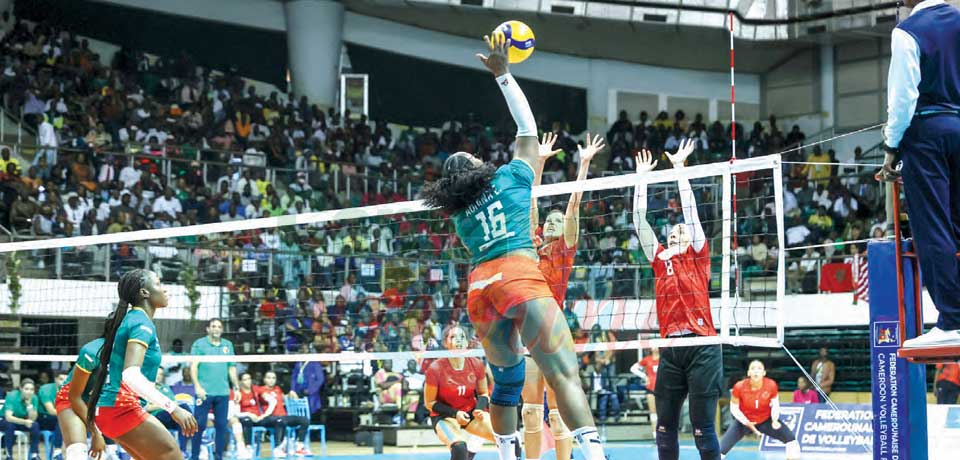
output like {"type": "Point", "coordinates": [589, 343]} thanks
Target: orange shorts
{"type": "Point", "coordinates": [503, 283]}
{"type": "Point", "coordinates": [125, 415]}
{"type": "Point", "coordinates": [62, 402]}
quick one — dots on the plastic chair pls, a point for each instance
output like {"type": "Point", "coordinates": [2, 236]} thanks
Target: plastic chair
{"type": "Point", "coordinates": [47, 434]}
{"type": "Point", "coordinates": [23, 443]}
{"type": "Point", "coordinates": [256, 433]}
{"type": "Point", "coordinates": [301, 407]}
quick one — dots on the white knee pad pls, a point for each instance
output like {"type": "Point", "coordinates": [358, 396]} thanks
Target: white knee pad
{"type": "Point", "coordinates": [76, 451]}
{"type": "Point", "coordinates": [793, 450]}
{"type": "Point", "coordinates": [474, 443]}
{"type": "Point", "coordinates": [557, 427]}
{"type": "Point", "coordinates": [532, 415]}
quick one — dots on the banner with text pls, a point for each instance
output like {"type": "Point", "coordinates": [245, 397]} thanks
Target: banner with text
{"type": "Point", "coordinates": [819, 428]}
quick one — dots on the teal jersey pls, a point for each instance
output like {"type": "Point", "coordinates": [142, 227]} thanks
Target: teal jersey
{"type": "Point", "coordinates": [47, 394]}
{"type": "Point", "coordinates": [213, 377]}
{"type": "Point", "coordinates": [88, 360]}
{"type": "Point", "coordinates": [136, 327]}
{"type": "Point", "coordinates": [15, 404]}
{"type": "Point", "coordinates": [499, 222]}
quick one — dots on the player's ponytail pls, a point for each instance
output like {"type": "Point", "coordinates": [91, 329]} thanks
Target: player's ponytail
{"type": "Point", "coordinates": [128, 289]}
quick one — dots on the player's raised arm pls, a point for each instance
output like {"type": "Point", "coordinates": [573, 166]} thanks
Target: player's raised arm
{"type": "Point", "coordinates": [571, 221]}
{"type": "Point", "coordinates": [648, 238]}
{"type": "Point", "coordinates": [687, 201]}
{"type": "Point", "coordinates": [545, 152]}
{"type": "Point", "coordinates": [497, 62]}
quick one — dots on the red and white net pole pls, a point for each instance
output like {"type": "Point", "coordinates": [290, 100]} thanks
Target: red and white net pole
{"type": "Point", "coordinates": [733, 157]}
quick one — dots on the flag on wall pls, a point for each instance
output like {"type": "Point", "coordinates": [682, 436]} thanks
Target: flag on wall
{"type": "Point", "coordinates": [861, 290]}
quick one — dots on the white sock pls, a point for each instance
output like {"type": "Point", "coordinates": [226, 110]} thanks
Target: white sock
{"type": "Point", "coordinates": [589, 440]}
{"type": "Point", "coordinates": [507, 446]}
{"type": "Point", "coordinates": [238, 435]}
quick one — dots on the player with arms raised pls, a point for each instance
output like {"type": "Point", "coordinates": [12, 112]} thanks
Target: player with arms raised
{"type": "Point", "coordinates": [682, 271]}
{"type": "Point", "coordinates": [755, 406]}
{"type": "Point", "coordinates": [557, 251]}
{"type": "Point", "coordinates": [508, 299]}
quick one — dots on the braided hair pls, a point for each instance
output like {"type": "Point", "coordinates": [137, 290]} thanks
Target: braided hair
{"type": "Point", "coordinates": [128, 289]}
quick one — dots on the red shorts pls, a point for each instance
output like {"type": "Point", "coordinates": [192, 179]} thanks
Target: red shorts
{"type": "Point", "coordinates": [125, 415]}
{"type": "Point", "coordinates": [501, 284]}
{"type": "Point", "coordinates": [62, 402]}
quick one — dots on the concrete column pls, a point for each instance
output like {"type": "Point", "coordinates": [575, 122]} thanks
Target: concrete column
{"type": "Point", "coordinates": [827, 86]}
{"type": "Point", "coordinates": [314, 40]}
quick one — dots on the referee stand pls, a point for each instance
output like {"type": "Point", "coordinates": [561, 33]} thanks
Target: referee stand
{"type": "Point", "coordinates": [899, 375]}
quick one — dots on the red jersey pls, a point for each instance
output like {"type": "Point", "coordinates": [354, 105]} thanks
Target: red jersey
{"type": "Point", "coordinates": [457, 389]}
{"type": "Point", "coordinates": [556, 264]}
{"type": "Point", "coordinates": [264, 396]}
{"type": "Point", "coordinates": [949, 372]}
{"type": "Point", "coordinates": [650, 365]}
{"type": "Point", "coordinates": [755, 404]}
{"type": "Point", "coordinates": [249, 403]}
{"type": "Point", "coordinates": [682, 287]}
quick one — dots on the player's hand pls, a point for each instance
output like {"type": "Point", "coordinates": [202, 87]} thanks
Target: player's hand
{"type": "Point", "coordinates": [188, 424]}
{"type": "Point", "coordinates": [97, 444]}
{"type": "Point", "coordinates": [201, 394]}
{"type": "Point", "coordinates": [479, 415]}
{"type": "Point", "coordinates": [685, 149]}
{"type": "Point", "coordinates": [497, 61]}
{"type": "Point", "coordinates": [28, 423]}
{"type": "Point", "coordinates": [775, 424]}
{"type": "Point", "coordinates": [753, 428]}
{"type": "Point", "coordinates": [592, 147]}
{"type": "Point", "coordinates": [546, 146]}
{"type": "Point", "coordinates": [889, 172]}
{"type": "Point", "coordinates": [645, 161]}
{"type": "Point", "coordinates": [293, 394]}
{"type": "Point", "coordinates": [462, 418]}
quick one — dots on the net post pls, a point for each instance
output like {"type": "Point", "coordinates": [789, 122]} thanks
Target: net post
{"type": "Point", "coordinates": [781, 254]}
{"type": "Point", "coordinates": [725, 269]}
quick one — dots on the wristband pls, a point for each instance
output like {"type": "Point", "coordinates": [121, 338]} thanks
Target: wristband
{"type": "Point", "coordinates": [444, 410]}
{"type": "Point", "coordinates": [482, 402]}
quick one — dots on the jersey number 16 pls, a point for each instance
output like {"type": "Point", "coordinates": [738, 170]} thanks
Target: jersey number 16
{"type": "Point", "coordinates": [494, 222]}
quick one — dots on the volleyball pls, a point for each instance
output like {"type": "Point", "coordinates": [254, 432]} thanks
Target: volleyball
{"type": "Point", "coordinates": [521, 39]}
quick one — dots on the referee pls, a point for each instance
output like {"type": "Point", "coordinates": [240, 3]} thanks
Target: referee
{"type": "Point", "coordinates": [923, 122]}
{"type": "Point", "coordinates": [213, 389]}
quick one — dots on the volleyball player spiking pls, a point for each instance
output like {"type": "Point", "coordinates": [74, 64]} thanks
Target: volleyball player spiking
{"type": "Point", "coordinates": [508, 299]}
{"type": "Point", "coordinates": [132, 353]}
{"type": "Point", "coordinates": [456, 393]}
{"type": "Point", "coordinates": [561, 230]}
{"type": "Point", "coordinates": [682, 272]}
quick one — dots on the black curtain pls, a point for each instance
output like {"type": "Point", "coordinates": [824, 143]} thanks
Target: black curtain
{"type": "Point", "coordinates": [255, 53]}
{"type": "Point", "coordinates": [419, 92]}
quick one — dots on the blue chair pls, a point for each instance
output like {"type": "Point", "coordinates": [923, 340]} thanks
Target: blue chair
{"type": "Point", "coordinates": [256, 433]}
{"type": "Point", "coordinates": [47, 434]}
{"type": "Point", "coordinates": [301, 407]}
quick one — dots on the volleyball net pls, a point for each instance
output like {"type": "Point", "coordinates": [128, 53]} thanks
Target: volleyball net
{"type": "Point", "coordinates": [380, 282]}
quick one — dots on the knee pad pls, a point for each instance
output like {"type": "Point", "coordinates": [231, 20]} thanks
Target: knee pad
{"type": "Point", "coordinates": [557, 427]}
{"type": "Point", "coordinates": [793, 450]}
{"type": "Point", "coordinates": [474, 444]}
{"type": "Point", "coordinates": [706, 440]}
{"type": "Point", "coordinates": [458, 451]}
{"type": "Point", "coordinates": [532, 415]}
{"type": "Point", "coordinates": [76, 451]}
{"type": "Point", "coordinates": [508, 384]}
